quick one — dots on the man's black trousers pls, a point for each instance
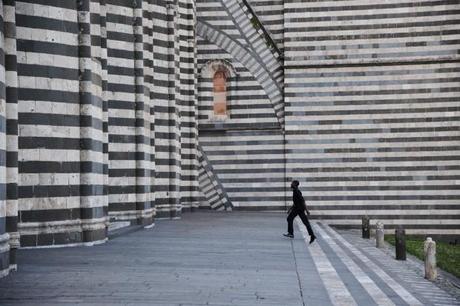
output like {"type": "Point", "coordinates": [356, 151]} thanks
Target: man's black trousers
{"type": "Point", "coordinates": [290, 219]}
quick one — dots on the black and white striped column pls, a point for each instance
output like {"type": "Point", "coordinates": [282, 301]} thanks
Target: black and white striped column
{"type": "Point", "coordinates": [167, 125]}
{"type": "Point", "coordinates": [187, 105]}
{"type": "Point", "coordinates": [4, 237]}
{"type": "Point", "coordinates": [93, 191]}
{"type": "Point", "coordinates": [11, 90]}
{"type": "Point", "coordinates": [142, 122]}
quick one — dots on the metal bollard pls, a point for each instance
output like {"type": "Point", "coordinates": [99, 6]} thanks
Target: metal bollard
{"type": "Point", "coordinates": [379, 235]}
{"type": "Point", "coordinates": [429, 248]}
{"type": "Point", "coordinates": [400, 243]}
{"type": "Point", "coordinates": [366, 227]}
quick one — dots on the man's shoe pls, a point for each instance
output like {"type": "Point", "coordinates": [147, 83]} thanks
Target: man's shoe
{"type": "Point", "coordinates": [288, 235]}
{"type": "Point", "coordinates": [312, 238]}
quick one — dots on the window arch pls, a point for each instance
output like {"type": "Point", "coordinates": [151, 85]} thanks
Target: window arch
{"type": "Point", "coordinates": [220, 94]}
{"type": "Point", "coordinates": [222, 77]}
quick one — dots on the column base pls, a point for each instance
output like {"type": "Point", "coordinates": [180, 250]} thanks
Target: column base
{"type": "Point", "coordinates": [4, 255]}
{"type": "Point", "coordinates": [135, 217]}
{"type": "Point", "coordinates": [63, 233]}
{"type": "Point", "coordinates": [168, 212]}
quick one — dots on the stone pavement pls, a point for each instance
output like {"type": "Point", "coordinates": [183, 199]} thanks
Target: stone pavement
{"type": "Point", "coordinates": [218, 259]}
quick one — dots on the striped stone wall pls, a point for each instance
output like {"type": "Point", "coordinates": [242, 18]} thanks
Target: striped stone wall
{"type": "Point", "coordinates": [11, 82]}
{"type": "Point", "coordinates": [97, 118]}
{"type": "Point", "coordinates": [4, 237]}
{"type": "Point", "coordinates": [129, 111]}
{"type": "Point", "coordinates": [353, 32]}
{"type": "Point", "coordinates": [270, 13]}
{"type": "Point", "coordinates": [188, 106]}
{"type": "Point", "coordinates": [61, 115]}
{"type": "Point", "coordinates": [242, 162]}
{"type": "Point", "coordinates": [106, 113]}
{"type": "Point", "coordinates": [227, 24]}
{"type": "Point", "coordinates": [249, 165]}
{"type": "Point", "coordinates": [167, 120]}
{"type": "Point", "coordinates": [372, 111]}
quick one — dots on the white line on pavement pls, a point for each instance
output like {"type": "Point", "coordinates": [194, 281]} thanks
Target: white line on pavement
{"type": "Point", "coordinates": [403, 293]}
{"type": "Point", "coordinates": [338, 293]}
{"type": "Point", "coordinates": [377, 295]}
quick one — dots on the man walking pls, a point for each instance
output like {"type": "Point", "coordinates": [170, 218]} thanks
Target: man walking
{"type": "Point", "coordinates": [298, 209]}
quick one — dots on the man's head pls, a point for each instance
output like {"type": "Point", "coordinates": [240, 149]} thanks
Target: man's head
{"type": "Point", "coordinates": [295, 184]}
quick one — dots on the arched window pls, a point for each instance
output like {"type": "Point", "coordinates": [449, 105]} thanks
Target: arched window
{"type": "Point", "coordinates": [215, 105]}
{"type": "Point", "coordinates": [220, 94]}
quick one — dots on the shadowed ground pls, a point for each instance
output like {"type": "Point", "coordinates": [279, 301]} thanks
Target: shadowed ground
{"type": "Point", "coordinates": [206, 259]}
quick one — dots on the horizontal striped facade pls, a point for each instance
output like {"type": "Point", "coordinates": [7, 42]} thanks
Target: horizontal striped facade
{"type": "Point", "coordinates": [372, 111]}
{"type": "Point", "coordinates": [366, 150]}
{"type": "Point", "coordinates": [11, 90]}
{"type": "Point", "coordinates": [271, 14]}
{"type": "Point", "coordinates": [249, 165]}
{"type": "Point", "coordinates": [230, 26]}
{"type": "Point", "coordinates": [4, 236]}
{"type": "Point", "coordinates": [107, 113]}
{"type": "Point", "coordinates": [242, 166]}
{"type": "Point", "coordinates": [97, 118]}
{"type": "Point", "coordinates": [353, 31]}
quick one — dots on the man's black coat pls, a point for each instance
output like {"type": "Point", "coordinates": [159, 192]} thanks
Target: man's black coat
{"type": "Point", "coordinates": [298, 209]}
{"type": "Point", "coordinates": [299, 201]}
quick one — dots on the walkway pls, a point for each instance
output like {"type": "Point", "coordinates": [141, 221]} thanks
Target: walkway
{"type": "Point", "coordinates": [217, 259]}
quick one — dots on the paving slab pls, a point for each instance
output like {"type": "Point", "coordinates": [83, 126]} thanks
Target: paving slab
{"type": "Point", "coordinates": [211, 258]}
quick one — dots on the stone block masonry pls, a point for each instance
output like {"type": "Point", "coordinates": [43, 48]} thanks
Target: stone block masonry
{"type": "Point", "coordinates": [96, 118]}
{"type": "Point", "coordinates": [9, 237]}
{"type": "Point", "coordinates": [372, 111]}
{"type": "Point", "coordinates": [107, 113]}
